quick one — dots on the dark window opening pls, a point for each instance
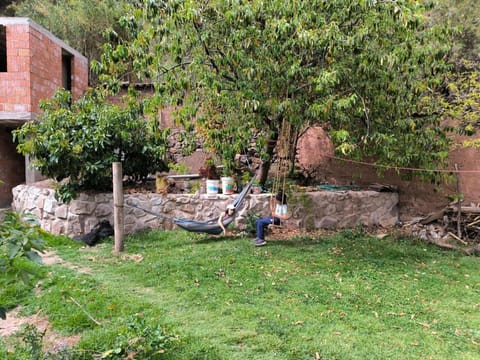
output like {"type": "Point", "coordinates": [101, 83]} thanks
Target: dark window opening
{"type": "Point", "coordinates": [67, 70]}
{"type": "Point", "coordinates": [3, 48]}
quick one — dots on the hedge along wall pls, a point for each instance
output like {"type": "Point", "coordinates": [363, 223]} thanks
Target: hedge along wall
{"type": "Point", "coordinates": [310, 210]}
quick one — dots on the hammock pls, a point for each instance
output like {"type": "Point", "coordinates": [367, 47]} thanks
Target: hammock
{"type": "Point", "coordinates": [211, 226]}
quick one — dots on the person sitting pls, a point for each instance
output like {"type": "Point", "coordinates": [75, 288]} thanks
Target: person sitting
{"type": "Point", "coordinates": [278, 211]}
{"type": "Point", "coordinates": [228, 212]}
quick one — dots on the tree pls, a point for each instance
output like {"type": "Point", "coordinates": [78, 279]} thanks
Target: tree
{"type": "Point", "coordinates": [80, 141]}
{"type": "Point", "coordinates": [367, 70]}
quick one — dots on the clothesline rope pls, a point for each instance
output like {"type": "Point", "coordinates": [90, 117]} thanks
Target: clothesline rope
{"type": "Point", "coordinates": [407, 168]}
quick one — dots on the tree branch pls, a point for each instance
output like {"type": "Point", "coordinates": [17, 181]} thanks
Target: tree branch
{"type": "Point", "coordinates": [209, 55]}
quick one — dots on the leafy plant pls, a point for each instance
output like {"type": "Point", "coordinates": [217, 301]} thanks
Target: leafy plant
{"type": "Point", "coordinates": [179, 168]}
{"type": "Point", "coordinates": [75, 144]}
{"type": "Point", "coordinates": [209, 170]}
{"type": "Point", "coordinates": [20, 241]}
{"type": "Point", "coordinates": [28, 344]}
{"type": "Point", "coordinates": [140, 339]}
{"type": "Point", "coordinates": [31, 346]}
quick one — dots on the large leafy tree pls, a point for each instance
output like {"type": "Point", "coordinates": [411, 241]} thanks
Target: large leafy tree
{"type": "Point", "coordinates": [368, 70]}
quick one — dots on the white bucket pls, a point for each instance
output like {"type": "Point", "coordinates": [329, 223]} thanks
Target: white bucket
{"type": "Point", "coordinates": [228, 185]}
{"type": "Point", "coordinates": [212, 186]}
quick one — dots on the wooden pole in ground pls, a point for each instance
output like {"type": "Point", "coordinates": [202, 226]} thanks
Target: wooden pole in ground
{"type": "Point", "coordinates": [459, 204]}
{"type": "Point", "coordinates": [118, 222]}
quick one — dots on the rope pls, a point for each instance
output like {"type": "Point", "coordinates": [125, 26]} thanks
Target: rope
{"type": "Point", "coordinates": [151, 212]}
{"type": "Point", "coordinates": [283, 153]}
{"type": "Point", "coordinates": [406, 168]}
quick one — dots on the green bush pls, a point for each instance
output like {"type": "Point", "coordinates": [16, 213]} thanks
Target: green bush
{"type": "Point", "coordinates": [79, 141]}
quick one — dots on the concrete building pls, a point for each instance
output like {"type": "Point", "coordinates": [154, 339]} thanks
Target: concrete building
{"type": "Point", "coordinates": [33, 65]}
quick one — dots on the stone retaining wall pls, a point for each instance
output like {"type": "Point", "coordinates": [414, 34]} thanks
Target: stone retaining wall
{"type": "Point", "coordinates": [311, 210]}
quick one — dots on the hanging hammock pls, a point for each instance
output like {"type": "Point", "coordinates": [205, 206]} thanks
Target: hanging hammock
{"type": "Point", "coordinates": [211, 226]}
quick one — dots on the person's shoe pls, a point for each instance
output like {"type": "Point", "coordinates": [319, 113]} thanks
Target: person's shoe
{"type": "Point", "coordinates": [260, 242]}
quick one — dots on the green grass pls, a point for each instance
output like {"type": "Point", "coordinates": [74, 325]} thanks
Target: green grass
{"type": "Point", "coordinates": [343, 296]}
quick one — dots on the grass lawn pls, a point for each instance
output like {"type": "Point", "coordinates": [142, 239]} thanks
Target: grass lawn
{"type": "Point", "coordinates": [334, 296]}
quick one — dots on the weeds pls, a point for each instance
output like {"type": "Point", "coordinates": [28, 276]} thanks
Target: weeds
{"type": "Point", "coordinates": [139, 339]}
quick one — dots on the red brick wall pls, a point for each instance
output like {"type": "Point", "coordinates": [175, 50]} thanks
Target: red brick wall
{"type": "Point", "coordinates": [12, 167]}
{"type": "Point", "coordinates": [80, 76]}
{"type": "Point", "coordinates": [34, 69]}
{"type": "Point", "coordinates": [15, 93]}
{"type": "Point", "coordinates": [46, 67]}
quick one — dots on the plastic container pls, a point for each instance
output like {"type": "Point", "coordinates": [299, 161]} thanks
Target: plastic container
{"type": "Point", "coordinates": [212, 186]}
{"type": "Point", "coordinates": [228, 185]}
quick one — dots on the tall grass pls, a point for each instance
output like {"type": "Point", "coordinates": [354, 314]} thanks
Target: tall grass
{"type": "Point", "coordinates": [334, 296]}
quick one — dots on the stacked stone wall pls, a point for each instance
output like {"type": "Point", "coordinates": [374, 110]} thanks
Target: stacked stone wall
{"type": "Point", "coordinates": [309, 210]}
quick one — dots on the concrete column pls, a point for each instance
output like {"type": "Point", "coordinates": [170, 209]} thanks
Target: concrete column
{"type": "Point", "coordinates": [31, 175]}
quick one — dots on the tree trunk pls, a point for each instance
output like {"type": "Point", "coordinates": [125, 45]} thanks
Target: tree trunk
{"type": "Point", "coordinates": [270, 150]}
{"type": "Point", "coordinates": [293, 151]}
{"type": "Point", "coordinates": [265, 167]}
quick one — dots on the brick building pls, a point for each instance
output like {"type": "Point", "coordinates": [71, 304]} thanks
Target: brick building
{"type": "Point", "coordinates": [33, 65]}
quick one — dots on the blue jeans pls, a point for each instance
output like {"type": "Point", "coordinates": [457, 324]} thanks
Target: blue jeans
{"type": "Point", "coordinates": [262, 223]}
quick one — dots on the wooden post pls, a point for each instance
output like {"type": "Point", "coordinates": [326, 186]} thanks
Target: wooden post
{"type": "Point", "coordinates": [118, 223]}
{"type": "Point", "coordinates": [459, 204]}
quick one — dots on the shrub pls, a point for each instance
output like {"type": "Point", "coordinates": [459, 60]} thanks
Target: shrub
{"type": "Point", "coordinates": [79, 141]}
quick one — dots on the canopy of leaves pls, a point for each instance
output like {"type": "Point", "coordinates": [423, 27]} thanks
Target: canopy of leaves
{"type": "Point", "coordinates": [80, 141]}
{"type": "Point", "coordinates": [368, 70]}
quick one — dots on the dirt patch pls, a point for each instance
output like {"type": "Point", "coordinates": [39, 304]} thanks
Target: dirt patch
{"type": "Point", "coordinates": [51, 257]}
{"type": "Point", "coordinates": [51, 341]}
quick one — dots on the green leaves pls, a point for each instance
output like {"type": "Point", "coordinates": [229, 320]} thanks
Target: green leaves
{"type": "Point", "coordinates": [237, 70]}
{"type": "Point", "coordinates": [21, 239]}
{"type": "Point", "coordinates": [80, 141]}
